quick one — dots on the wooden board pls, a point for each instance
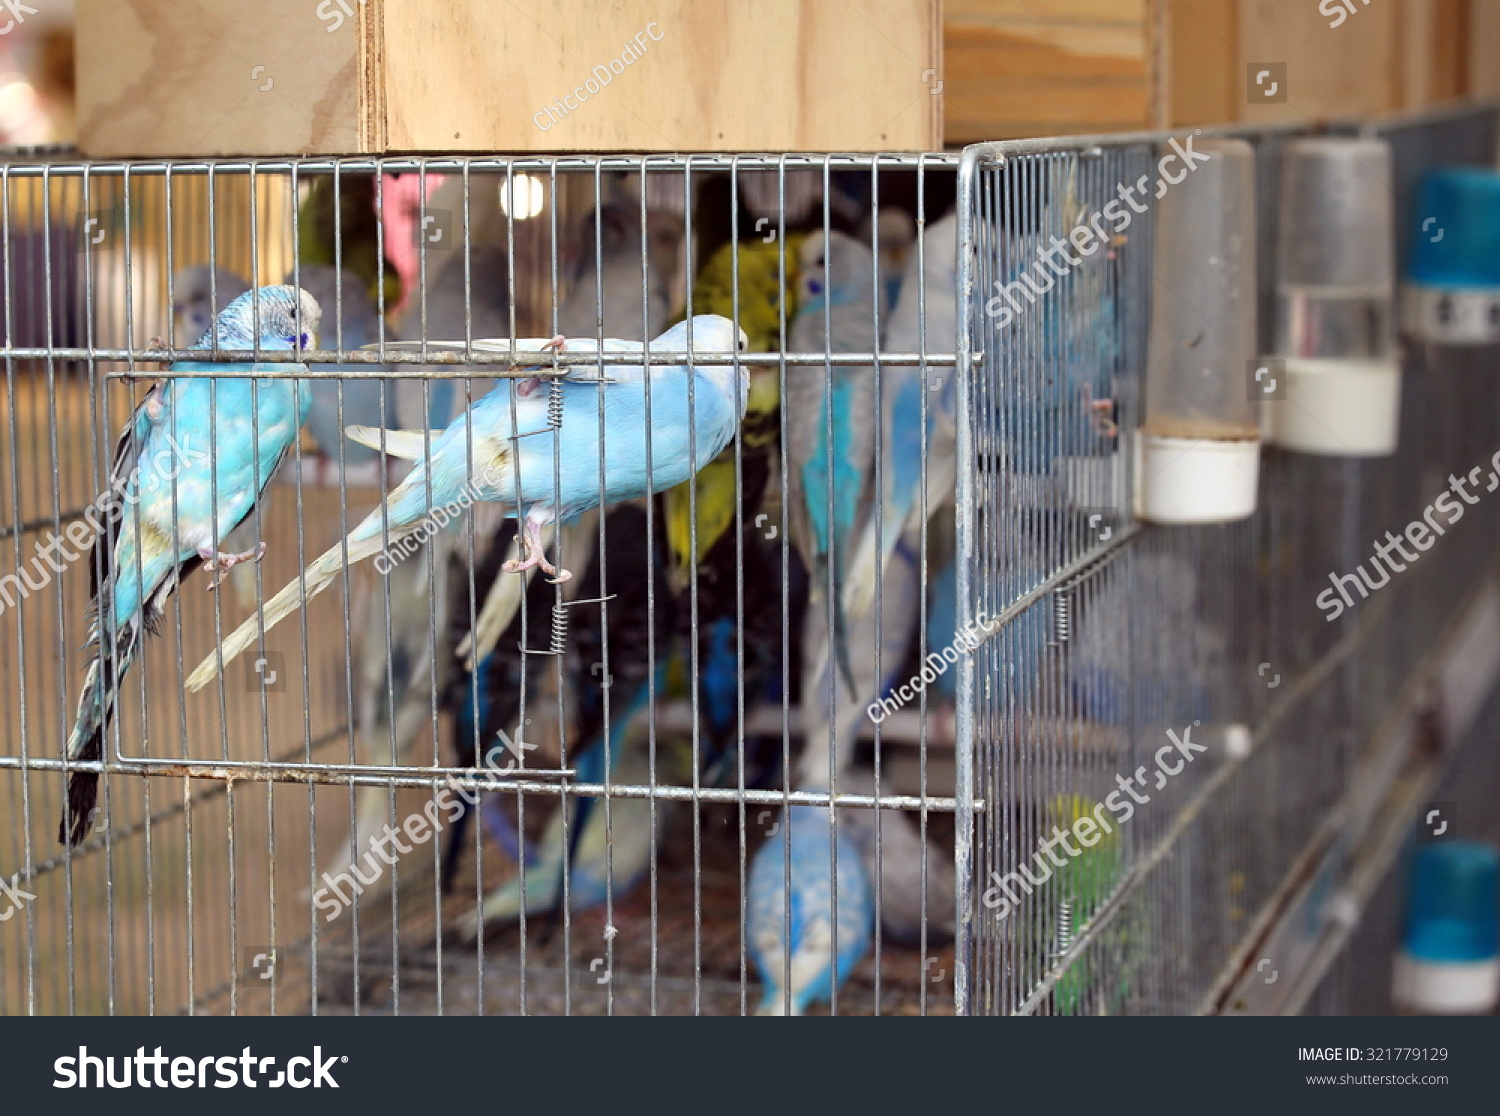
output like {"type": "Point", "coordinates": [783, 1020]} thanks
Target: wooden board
{"type": "Point", "coordinates": [209, 77]}
{"type": "Point", "coordinates": [1383, 56]}
{"type": "Point", "coordinates": [1348, 70]}
{"type": "Point", "coordinates": [180, 77]}
{"type": "Point", "coordinates": [734, 75]}
{"type": "Point", "coordinates": [1044, 67]}
{"type": "Point", "coordinates": [1484, 54]}
{"type": "Point", "coordinates": [1207, 81]}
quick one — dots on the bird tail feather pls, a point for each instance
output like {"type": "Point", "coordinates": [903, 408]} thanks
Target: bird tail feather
{"type": "Point", "coordinates": [317, 577]}
{"type": "Point", "coordinates": [96, 705]}
{"type": "Point", "coordinates": [865, 570]}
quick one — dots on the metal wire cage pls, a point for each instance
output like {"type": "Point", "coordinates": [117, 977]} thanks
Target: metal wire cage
{"type": "Point", "coordinates": [1256, 853]}
{"type": "Point", "coordinates": [627, 753]}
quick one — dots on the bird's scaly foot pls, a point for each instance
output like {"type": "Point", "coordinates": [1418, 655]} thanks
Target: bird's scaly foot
{"type": "Point", "coordinates": [533, 555]}
{"type": "Point", "coordinates": [219, 564]}
{"type": "Point", "coordinates": [533, 558]}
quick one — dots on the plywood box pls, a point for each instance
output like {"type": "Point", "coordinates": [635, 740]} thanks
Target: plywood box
{"type": "Point", "coordinates": [281, 77]}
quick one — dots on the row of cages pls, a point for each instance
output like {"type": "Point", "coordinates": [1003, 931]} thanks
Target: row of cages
{"type": "Point", "coordinates": [704, 588]}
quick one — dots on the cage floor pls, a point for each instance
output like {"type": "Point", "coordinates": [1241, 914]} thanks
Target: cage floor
{"type": "Point", "coordinates": [556, 968]}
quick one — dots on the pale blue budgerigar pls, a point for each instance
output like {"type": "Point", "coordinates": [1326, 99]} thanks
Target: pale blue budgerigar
{"type": "Point", "coordinates": [830, 435]}
{"type": "Point", "coordinates": [199, 294]}
{"type": "Point", "coordinates": [815, 969]}
{"type": "Point", "coordinates": [483, 453]}
{"type": "Point", "coordinates": [195, 459]}
{"type": "Point", "coordinates": [349, 322]}
{"type": "Point", "coordinates": [404, 660]}
{"type": "Point", "coordinates": [926, 310]}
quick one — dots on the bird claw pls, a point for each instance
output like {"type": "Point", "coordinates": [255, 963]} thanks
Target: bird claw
{"type": "Point", "coordinates": [535, 561]}
{"type": "Point", "coordinates": [533, 556]}
{"type": "Point", "coordinates": [219, 564]}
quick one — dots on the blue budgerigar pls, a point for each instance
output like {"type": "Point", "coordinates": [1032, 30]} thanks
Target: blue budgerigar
{"type": "Point", "coordinates": [193, 462]}
{"type": "Point", "coordinates": [815, 969]}
{"type": "Point", "coordinates": [926, 310]}
{"type": "Point", "coordinates": [830, 434]}
{"type": "Point", "coordinates": [505, 438]}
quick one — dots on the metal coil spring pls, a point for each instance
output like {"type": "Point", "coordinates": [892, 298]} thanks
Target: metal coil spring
{"type": "Point", "coordinates": [1064, 928]}
{"type": "Point", "coordinates": [1062, 616]}
{"type": "Point", "coordinates": [559, 629]}
{"type": "Point", "coordinates": [555, 404]}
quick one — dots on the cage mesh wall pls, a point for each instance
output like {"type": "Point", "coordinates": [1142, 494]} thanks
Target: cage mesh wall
{"type": "Point", "coordinates": [228, 816]}
{"type": "Point", "coordinates": [1118, 635]}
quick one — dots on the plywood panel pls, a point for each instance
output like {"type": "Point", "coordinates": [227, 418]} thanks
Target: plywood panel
{"type": "Point", "coordinates": [1484, 46]}
{"type": "Point", "coordinates": [667, 74]}
{"type": "Point", "coordinates": [211, 77]}
{"type": "Point", "coordinates": [1450, 35]}
{"type": "Point", "coordinates": [219, 77]}
{"type": "Point", "coordinates": [1352, 69]}
{"type": "Point", "coordinates": [1032, 68]}
{"type": "Point", "coordinates": [1207, 86]}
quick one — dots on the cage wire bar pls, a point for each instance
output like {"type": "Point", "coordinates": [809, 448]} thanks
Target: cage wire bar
{"type": "Point", "coordinates": [199, 890]}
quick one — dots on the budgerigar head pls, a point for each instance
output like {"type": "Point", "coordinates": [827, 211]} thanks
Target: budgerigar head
{"type": "Point", "coordinates": [327, 286]}
{"type": "Point", "coordinates": [198, 293]}
{"type": "Point", "coordinates": [288, 319]}
{"type": "Point", "coordinates": [836, 269]}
